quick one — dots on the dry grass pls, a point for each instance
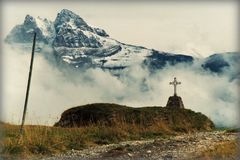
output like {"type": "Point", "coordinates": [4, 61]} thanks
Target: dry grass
{"type": "Point", "coordinates": [224, 150]}
{"type": "Point", "coordinates": [44, 140]}
{"type": "Point", "coordinates": [149, 122]}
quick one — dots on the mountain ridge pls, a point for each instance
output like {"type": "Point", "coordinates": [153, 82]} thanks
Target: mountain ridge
{"type": "Point", "coordinates": [79, 45]}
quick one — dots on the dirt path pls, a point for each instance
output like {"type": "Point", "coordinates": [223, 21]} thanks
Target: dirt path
{"type": "Point", "coordinates": [178, 147]}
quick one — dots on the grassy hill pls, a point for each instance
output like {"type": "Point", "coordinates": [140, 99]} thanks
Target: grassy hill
{"type": "Point", "coordinates": [96, 124]}
{"type": "Point", "coordinates": [165, 119]}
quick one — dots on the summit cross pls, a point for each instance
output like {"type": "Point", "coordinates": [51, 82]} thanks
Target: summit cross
{"type": "Point", "coordinates": [175, 83]}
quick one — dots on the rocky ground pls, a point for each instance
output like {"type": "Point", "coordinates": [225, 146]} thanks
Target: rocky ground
{"type": "Point", "coordinates": [186, 146]}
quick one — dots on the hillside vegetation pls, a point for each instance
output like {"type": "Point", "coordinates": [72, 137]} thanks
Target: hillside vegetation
{"type": "Point", "coordinates": [167, 120]}
{"type": "Point", "coordinates": [96, 124]}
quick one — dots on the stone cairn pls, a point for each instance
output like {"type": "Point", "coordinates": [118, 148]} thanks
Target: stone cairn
{"type": "Point", "coordinates": [175, 101]}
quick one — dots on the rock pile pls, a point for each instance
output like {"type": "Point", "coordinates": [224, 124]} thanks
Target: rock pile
{"type": "Point", "coordinates": [175, 102]}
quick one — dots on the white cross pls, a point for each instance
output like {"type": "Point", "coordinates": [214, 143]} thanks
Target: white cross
{"type": "Point", "coordinates": [175, 83]}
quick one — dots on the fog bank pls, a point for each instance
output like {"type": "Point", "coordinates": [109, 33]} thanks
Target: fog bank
{"type": "Point", "coordinates": [53, 91]}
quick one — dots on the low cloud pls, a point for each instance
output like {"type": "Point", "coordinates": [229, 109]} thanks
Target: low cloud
{"type": "Point", "coordinates": [53, 91]}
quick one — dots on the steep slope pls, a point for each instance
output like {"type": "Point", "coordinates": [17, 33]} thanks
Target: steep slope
{"type": "Point", "coordinates": [23, 33]}
{"type": "Point", "coordinates": [223, 62]}
{"type": "Point", "coordinates": [77, 44]}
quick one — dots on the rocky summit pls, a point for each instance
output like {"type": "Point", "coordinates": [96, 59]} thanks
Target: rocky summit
{"type": "Point", "coordinates": [76, 44]}
{"type": "Point", "coordinates": [175, 119]}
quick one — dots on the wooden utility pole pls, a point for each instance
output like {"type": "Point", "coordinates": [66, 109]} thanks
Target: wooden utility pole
{"type": "Point", "coordinates": [28, 85]}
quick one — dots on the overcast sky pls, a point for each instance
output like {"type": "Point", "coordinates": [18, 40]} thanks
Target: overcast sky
{"type": "Point", "coordinates": [196, 28]}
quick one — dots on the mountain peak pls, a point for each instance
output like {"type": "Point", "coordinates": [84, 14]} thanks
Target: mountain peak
{"type": "Point", "coordinates": [29, 20]}
{"type": "Point", "coordinates": [67, 12]}
{"type": "Point", "coordinates": [66, 16]}
{"type": "Point", "coordinates": [79, 45]}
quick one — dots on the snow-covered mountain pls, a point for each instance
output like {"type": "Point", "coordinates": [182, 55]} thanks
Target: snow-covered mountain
{"type": "Point", "coordinates": [24, 33]}
{"type": "Point", "coordinates": [79, 45]}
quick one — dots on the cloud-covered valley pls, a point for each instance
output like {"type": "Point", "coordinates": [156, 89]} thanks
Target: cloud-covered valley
{"type": "Point", "coordinates": [54, 90]}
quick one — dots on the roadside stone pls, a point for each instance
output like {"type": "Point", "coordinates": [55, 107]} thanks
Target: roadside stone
{"type": "Point", "coordinates": [149, 151]}
{"type": "Point", "coordinates": [130, 155]}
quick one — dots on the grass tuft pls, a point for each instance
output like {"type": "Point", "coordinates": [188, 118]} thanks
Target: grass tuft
{"type": "Point", "coordinates": [224, 150]}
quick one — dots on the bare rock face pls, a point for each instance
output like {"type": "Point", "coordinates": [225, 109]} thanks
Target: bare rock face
{"type": "Point", "coordinates": [175, 102]}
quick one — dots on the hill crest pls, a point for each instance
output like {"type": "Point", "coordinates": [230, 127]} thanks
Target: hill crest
{"type": "Point", "coordinates": [171, 119]}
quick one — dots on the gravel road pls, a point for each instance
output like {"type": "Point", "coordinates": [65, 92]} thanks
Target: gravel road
{"type": "Point", "coordinates": [177, 147]}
